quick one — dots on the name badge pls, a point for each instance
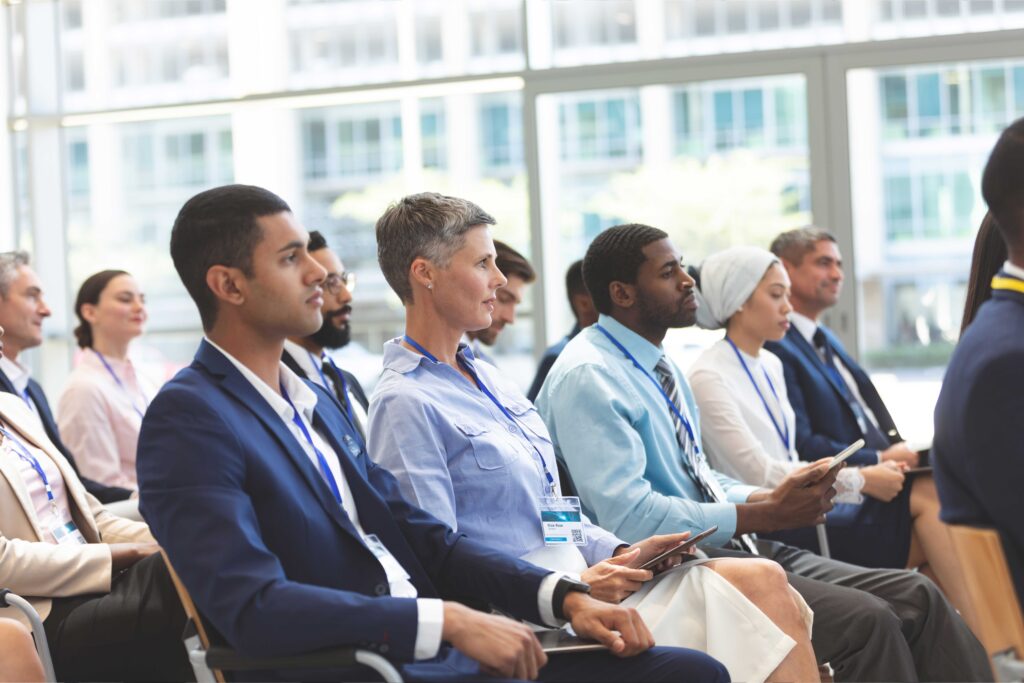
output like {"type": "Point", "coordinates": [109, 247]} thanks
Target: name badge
{"type": "Point", "coordinates": [65, 531]}
{"type": "Point", "coordinates": [561, 521]}
{"type": "Point", "coordinates": [395, 572]}
{"type": "Point", "coordinates": [352, 446]}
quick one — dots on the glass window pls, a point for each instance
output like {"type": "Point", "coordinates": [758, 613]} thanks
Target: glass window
{"type": "Point", "coordinates": [916, 176]}
{"type": "Point", "coordinates": [753, 116]}
{"type": "Point", "coordinates": [147, 174]}
{"type": "Point", "coordinates": [584, 193]}
{"type": "Point", "coordinates": [992, 97]}
{"type": "Point", "coordinates": [928, 105]}
{"type": "Point", "coordinates": [482, 162]}
{"type": "Point", "coordinates": [894, 104]}
{"type": "Point", "coordinates": [898, 212]}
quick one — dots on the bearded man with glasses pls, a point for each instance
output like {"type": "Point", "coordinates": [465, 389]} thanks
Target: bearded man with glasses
{"type": "Point", "coordinates": [307, 356]}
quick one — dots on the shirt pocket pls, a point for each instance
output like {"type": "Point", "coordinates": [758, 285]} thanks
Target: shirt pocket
{"type": "Point", "coordinates": [489, 451]}
{"type": "Point", "coordinates": [528, 420]}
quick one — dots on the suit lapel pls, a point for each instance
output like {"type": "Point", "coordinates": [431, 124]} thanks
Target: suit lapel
{"type": "Point", "coordinates": [812, 356]}
{"type": "Point", "coordinates": [6, 385]}
{"type": "Point", "coordinates": [238, 386]}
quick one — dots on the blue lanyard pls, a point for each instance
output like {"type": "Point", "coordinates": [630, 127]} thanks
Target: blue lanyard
{"type": "Point", "coordinates": [325, 470]}
{"type": "Point", "coordinates": [551, 490]}
{"type": "Point", "coordinates": [668, 399]}
{"type": "Point", "coordinates": [783, 433]}
{"type": "Point", "coordinates": [27, 399]}
{"type": "Point", "coordinates": [119, 383]}
{"type": "Point", "coordinates": [341, 377]}
{"type": "Point", "coordinates": [27, 456]}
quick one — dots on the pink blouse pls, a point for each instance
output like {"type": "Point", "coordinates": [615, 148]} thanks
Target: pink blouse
{"type": "Point", "coordinates": [99, 419]}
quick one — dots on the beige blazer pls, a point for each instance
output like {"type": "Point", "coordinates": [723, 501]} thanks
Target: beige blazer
{"type": "Point", "coordinates": [31, 567]}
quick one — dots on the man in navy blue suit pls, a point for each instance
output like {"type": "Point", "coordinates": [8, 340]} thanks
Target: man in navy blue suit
{"type": "Point", "coordinates": [288, 537]}
{"type": "Point", "coordinates": [834, 399]}
{"type": "Point", "coordinates": [978, 451]}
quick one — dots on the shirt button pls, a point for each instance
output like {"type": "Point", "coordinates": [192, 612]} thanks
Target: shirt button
{"type": "Point", "coordinates": [512, 429]}
{"type": "Point", "coordinates": [380, 589]}
{"type": "Point", "coordinates": [384, 648]}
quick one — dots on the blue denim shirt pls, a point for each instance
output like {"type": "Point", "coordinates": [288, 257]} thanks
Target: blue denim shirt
{"type": "Point", "coordinates": [460, 458]}
{"type": "Point", "coordinates": [612, 428]}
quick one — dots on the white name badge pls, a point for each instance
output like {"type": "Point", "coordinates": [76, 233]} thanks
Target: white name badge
{"type": "Point", "coordinates": [65, 531]}
{"type": "Point", "coordinates": [561, 521]}
{"type": "Point", "coordinates": [392, 567]}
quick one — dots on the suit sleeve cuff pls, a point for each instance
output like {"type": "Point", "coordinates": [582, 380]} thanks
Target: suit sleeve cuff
{"type": "Point", "coordinates": [430, 624]}
{"type": "Point", "coordinates": [546, 593]}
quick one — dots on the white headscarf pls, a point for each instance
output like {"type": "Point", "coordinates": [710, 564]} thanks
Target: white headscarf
{"type": "Point", "coordinates": [727, 279]}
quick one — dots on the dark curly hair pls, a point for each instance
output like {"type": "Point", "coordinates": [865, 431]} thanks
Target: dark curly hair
{"type": "Point", "coordinates": [89, 293]}
{"type": "Point", "coordinates": [616, 256]}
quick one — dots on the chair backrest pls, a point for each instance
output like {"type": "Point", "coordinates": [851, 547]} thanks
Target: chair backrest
{"type": "Point", "coordinates": [190, 611]}
{"type": "Point", "coordinates": [998, 623]}
{"type": "Point", "coordinates": [568, 488]}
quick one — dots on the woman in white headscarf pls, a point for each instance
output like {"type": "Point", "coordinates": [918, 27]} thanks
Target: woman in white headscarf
{"type": "Point", "coordinates": [749, 426]}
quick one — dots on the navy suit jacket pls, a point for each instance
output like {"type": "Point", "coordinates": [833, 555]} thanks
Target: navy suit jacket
{"type": "Point", "coordinates": [978, 451]}
{"type": "Point", "coordinates": [268, 555]}
{"type": "Point", "coordinates": [103, 493]}
{"type": "Point", "coordinates": [825, 423]}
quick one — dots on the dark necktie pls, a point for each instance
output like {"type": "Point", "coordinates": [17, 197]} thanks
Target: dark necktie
{"type": "Point", "coordinates": [693, 461]}
{"type": "Point", "coordinates": [341, 391]}
{"type": "Point", "coordinates": [872, 434]}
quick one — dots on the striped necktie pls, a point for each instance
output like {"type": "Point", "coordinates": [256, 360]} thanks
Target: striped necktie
{"type": "Point", "coordinates": [693, 461]}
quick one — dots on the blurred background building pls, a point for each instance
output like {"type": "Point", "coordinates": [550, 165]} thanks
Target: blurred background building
{"type": "Point", "coordinates": [721, 121]}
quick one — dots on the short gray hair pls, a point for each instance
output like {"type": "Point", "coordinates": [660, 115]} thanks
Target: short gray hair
{"type": "Point", "coordinates": [793, 245]}
{"type": "Point", "coordinates": [426, 225]}
{"type": "Point", "coordinates": [10, 261]}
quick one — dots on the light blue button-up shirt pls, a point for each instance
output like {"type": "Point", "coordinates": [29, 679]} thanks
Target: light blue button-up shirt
{"type": "Point", "coordinates": [612, 428]}
{"type": "Point", "coordinates": [460, 458]}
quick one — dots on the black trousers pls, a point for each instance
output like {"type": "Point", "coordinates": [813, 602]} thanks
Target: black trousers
{"type": "Point", "coordinates": [878, 624]}
{"type": "Point", "coordinates": [132, 633]}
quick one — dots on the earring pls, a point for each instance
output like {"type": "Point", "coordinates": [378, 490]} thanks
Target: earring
{"type": "Point", "coordinates": [430, 285]}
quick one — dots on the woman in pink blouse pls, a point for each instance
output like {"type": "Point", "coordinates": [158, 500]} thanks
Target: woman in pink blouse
{"type": "Point", "coordinates": [100, 411]}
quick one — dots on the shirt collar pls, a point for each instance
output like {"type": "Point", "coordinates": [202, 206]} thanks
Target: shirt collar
{"type": "Point", "coordinates": [1014, 270]}
{"type": "Point", "coordinates": [804, 325]}
{"type": "Point", "coordinates": [90, 357]}
{"type": "Point", "coordinates": [16, 372]}
{"type": "Point", "coordinates": [404, 361]}
{"type": "Point", "coordinates": [301, 395]}
{"type": "Point", "coordinates": [303, 357]}
{"type": "Point", "coordinates": [645, 353]}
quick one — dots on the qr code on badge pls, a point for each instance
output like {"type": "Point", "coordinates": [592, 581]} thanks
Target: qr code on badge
{"type": "Point", "coordinates": [577, 536]}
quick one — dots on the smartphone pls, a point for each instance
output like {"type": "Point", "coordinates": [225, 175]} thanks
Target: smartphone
{"type": "Point", "coordinates": [840, 458]}
{"type": "Point", "coordinates": [679, 549]}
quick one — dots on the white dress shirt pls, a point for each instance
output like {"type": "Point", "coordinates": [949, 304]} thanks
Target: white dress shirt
{"type": "Point", "coordinates": [1014, 270]}
{"type": "Point", "coordinates": [739, 436]}
{"type": "Point", "coordinates": [430, 611]}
